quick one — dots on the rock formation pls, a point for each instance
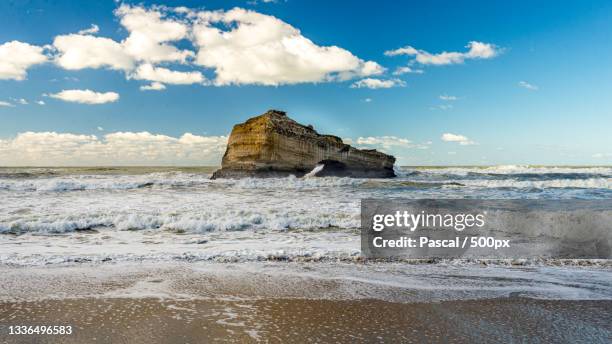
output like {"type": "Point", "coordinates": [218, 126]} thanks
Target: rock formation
{"type": "Point", "coordinates": [274, 145]}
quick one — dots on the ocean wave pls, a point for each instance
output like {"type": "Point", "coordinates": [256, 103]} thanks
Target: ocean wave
{"type": "Point", "coordinates": [591, 183]}
{"type": "Point", "coordinates": [99, 182]}
{"type": "Point", "coordinates": [509, 170]}
{"type": "Point", "coordinates": [292, 182]}
{"type": "Point", "coordinates": [214, 221]}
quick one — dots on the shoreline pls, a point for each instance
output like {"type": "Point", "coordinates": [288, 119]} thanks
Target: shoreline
{"type": "Point", "coordinates": [116, 320]}
{"type": "Point", "coordinates": [246, 302]}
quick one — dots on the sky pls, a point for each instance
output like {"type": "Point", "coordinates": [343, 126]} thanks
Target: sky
{"type": "Point", "coordinates": [431, 82]}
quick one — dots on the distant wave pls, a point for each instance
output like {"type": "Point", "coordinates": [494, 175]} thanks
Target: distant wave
{"type": "Point", "coordinates": [591, 183]}
{"type": "Point", "coordinates": [510, 170]}
{"type": "Point", "coordinates": [86, 182]}
{"type": "Point", "coordinates": [80, 183]}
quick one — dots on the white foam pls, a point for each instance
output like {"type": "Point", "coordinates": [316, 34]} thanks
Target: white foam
{"type": "Point", "coordinates": [590, 183]}
{"type": "Point", "coordinates": [511, 169]}
{"type": "Point", "coordinates": [314, 171]}
{"type": "Point", "coordinates": [121, 246]}
{"type": "Point", "coordinates": [103, 182]}
{"type": "Point", "coordinates": [338, 281]}
{"type": "Point", "coordinates": [291, 182]}
{"type": "Point", "coordinates": [161, 180]}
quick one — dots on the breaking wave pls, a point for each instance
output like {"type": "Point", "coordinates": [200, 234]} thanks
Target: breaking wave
{"type": "Point", "coordinates": [591, 183]}
{"type": "Point", "coordinates": [81, 183]}
{"type": "Point", "coordinates": [218, 220]}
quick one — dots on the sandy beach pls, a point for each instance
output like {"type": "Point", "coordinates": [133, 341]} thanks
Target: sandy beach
{"type": "Point", "coordinates": [291, 302]}
{"type": "Point", "coordinates": [117, 320]}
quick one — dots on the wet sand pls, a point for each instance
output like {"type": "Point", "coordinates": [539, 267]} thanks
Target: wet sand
{"type": "Point", "coordinates": [312, 321]}
{"type": "Point", "coordinates": [307, 303]}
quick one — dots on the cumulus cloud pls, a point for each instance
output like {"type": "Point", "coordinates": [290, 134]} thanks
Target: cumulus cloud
{"type": "Point", "coordinates": [373, 83]}
{"type": "Point", "coordinates": [148, 34]}
{"type": "Point", "coordinates": [150, 30]}
{"type": "Point", "coordinates": [167, 76]}
{"type": "Point", "coordinates": [6, 104]}
{"type": "Point", "coordinates": [120, 148]}
{"type": "Point", "coordinates": [407, 70]}
{"type": "Point", "coordinates": [247, 47]}
{"type": "Point", "coordinates": [86, 96]}
{"type": "Point", "coordinates": [92, 29]}
{"type": "Point", "coordinates": [528, 86]}
{"type": "Point", "coordinates": [16, 57]}
{"type": "Point", "coordinates": [476, 50]}
{"type": "Point", "coordinates": [238, 46]}
{"type": "Point", "coordinates": [84, 51]}
{"type": "Point", "coordinates": [40, 102]}
{"type": "Point", "coordinates": [154, 86]}
{"type": "Point", "coordinates": [462, 140]}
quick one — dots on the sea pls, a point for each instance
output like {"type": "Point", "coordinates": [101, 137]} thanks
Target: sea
{"type": "Point", "coordinates": [112, 215]}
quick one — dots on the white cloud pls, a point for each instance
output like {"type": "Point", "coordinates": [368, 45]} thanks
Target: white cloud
{"type": "Point", "coordinates": [446, 97]}
{"type": "Point", "coordinates": [84, 51]}
{"type": "Point", "coordinates": [528, 86]}
{"type": "Point", "coordinates": [182, 10]}
{"type": "Point", "coordinates": [407, 70]}
{"type": "Point", "coordinates": [120, 148]}
{"type": "Point", "coordinates": [100, 128]}
{"type": "Point", "coordinates": [476, 50]}
{"type": "Point", "coordinates": [154, 86]}
{"type": "Point", "coordinates": [149, 32]}
{"type": "Point", "coordinates": [387, 143]}
{"type": "Point", "coordinates": [442, 107]}
{"type": "Point", "coordinates": [40, 102]}
{"type": "Point", "coordinates": [378, 83]}
{"type": "Point", "coordinates": [164, 75]}
{"type": "Point", "coordinates": [255, 2]}
{"type": "Point", "coordinates": [86, 96]}
{"type": "Point", "coordinates": [20, 101]}
{"type": "Point", "coordinates": [92, 29]}
{"type": "Point", "coordinates": [462, 140]}
{"type": "Point", "coordinates": [260, 49]}
{"type": "Point", "coordinates": [602, 155]}
{"type": "Point", "coordinates": [16, 57]}
{"type": "Point", "coordinates": [239, 46]}
{"type": "Point", "coordinates": [368, 100]}
{"type": "Point", "coordinates": [6, 104]}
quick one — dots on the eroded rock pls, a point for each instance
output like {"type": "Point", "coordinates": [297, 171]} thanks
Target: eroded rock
{"type": "Point", "coordinates": [274, 145]}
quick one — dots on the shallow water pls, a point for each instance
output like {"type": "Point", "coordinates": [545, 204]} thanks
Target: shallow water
{"type": "Point", "coordinates": [279, 302]}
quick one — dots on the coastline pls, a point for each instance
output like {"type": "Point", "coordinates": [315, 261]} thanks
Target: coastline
{"type": "Point", "coordinates": [257, 302]}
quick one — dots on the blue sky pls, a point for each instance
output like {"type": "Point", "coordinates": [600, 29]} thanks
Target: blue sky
{"type": "Point", "coordinates": [536, 91]}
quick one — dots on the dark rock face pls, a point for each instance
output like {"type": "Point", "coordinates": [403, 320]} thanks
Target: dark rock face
{"type": "Point", "coordinates": [273, 145]}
